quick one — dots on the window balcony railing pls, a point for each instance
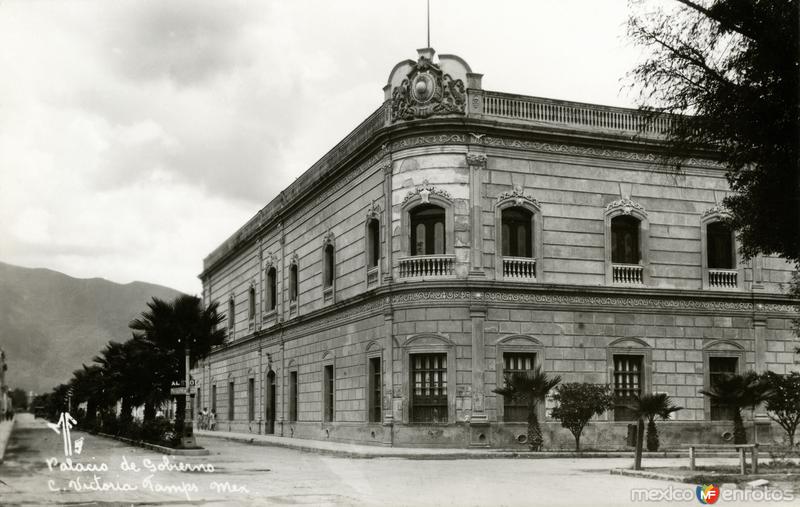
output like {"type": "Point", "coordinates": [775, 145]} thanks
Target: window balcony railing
{"type": "Point", "coordinates": [427, 266]}
{"type": "Point", "coordinates": [723, 278]}
{"type": "Point", "coordinates": [519, 268]}
{"type": "Point", "coordinates": [327, 294]}
{"type": "Point", "coordinates": [372, 276]}
{"type": "Point", "coordinates": [627, 274]}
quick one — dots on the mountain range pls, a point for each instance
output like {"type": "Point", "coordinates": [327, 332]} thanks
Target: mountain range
{"type": "Point", "coordinates": [51, 323]}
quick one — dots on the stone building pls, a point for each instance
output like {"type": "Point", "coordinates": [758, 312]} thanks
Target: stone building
{"type": "Point", "coordinates": [458, 234]}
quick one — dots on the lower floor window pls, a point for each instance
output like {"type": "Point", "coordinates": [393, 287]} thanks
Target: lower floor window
{"type": "Point", "coordinates": [627, 385]}
{"type": "Point", "coordinates": [515, 362]}
{"type": "Point", "coordinates": [429, 388]}
{"type": "Point", "coordinates": [718, 368]}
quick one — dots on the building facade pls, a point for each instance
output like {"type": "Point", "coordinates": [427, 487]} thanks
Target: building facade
{"type": "Point", "coordinates": [457, 235]}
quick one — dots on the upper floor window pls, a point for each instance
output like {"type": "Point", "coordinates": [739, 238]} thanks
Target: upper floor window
{"type": "Point", "coordinates": [718, 251]}
{"type": "Point", "coordinates": [251, 303]}
{"type": "Point", "coordinates": [625, 240]}
{"type": "Point", "coordinates": [427, 230]}
{"type": "Point", "coordinates": [231, 314]}
{"type": "Point", "coordinates": [373, 243]}
{"type": "Point", "coordinates": [721, 254]}
{"type": "Point", "coordinates": [293, 282]}
{"type": "Point", "coordinates": [517, 234]}
{"type": "Point", "coordinates": [328, 268]}
{"type": "Point", "coordinates": [272, 289]}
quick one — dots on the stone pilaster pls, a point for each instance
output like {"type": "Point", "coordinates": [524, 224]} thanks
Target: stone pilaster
{"type": "Point", "coordinates": [479, 421]}
{"type": "Point", "coordinates": [387, 377]}
{"type": "Point", "coordinates": [387, 219]}
{"type": "Point", "coordinates": [477, 166]}
{"type": "Point", "coordinates": [761, 418]}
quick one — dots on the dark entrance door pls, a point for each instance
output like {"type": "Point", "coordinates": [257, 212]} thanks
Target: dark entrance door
{"type": "Point", "coordinates": [269, 427]}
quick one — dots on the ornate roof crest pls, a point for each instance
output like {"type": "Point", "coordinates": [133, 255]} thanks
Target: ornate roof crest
{"type": "Point", "coordinates": [427, 91]}
{"type": "Point", "coordinates": [518, 195]}
{"type": "Point", "coordinates": [626, 206]}
{"type": "Point", "coordinates": [424, 191]}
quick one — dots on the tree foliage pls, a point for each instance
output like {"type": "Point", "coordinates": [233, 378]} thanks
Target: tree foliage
{"type": "Point", "coordinates": [578, 403]}
{"type": "Point", "coordinates": [531, 388]}
{"type": "Point", "coordinates": [19, 399]}
{"type": "Point", "coordinates": [738, 392]}
{"type": "Point", "coordinates": [649, 407]}
{"type": "Point", "coordinates": [783, 402]}
{"type": "Point", "coordinates": [733, 66]}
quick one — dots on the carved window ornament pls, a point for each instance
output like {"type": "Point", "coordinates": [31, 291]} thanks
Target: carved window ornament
{"type": "Point", "coordinates": [328, 239]}
{"type": "Point", "coordinates": [427, 91]}
{"type": "Point", "coordinates": [270, 260]}
{"type": "Point", "coordinates": [718, 212]}
{"type": "Point", "coordinates": [517, 196]}
{"type": "Point", "coordinates": [374, 211]}
{"type": "Point", "coordinates": [626, 206]}
{"type": "Point", "coordinates": [424, 192]}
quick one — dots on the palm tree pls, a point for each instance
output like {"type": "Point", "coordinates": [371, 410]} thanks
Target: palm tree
{"type": "Point", "coordinates": [650, 406]}
{"type": "Point", "coordinates": [531, 387]}
{"type": "Point", "coordinates": [119, 380]}
{"type": "Point", "coordinates": [171, 330]}
{"type": "Point", "coordinates": [86, 384]}
{"type": "Point", "coordinates": [737, 392]}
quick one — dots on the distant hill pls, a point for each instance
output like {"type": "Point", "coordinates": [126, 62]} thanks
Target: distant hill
{"type": "Point", "coordinates": [51, 323]}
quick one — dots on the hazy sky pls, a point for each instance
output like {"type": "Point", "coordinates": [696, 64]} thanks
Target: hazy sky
{"type": "Point", "coordinates": [135, 136]}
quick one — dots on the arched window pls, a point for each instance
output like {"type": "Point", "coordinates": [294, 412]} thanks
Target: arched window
{"type": "Point", "coordinates": [516, 235]}
{"type": "Point", "coordinates": [251, 303]}
{"type": "Point", "coordinates": [373, 243]}
{"type": "Point", "coordinates": [720, 246]}
{"type": "Point", "coordinates": [328, 268]}
{"type": "Point", "coordinates": [231, 314]}
{"type": "Point", "coordinates": [272, 289]}
{"type": "Point", "coordinates": [625, 240]}
{"type": "Point", "coordinates": [427, 230]}
{"type": "Point", "coordinates": [293, 282]}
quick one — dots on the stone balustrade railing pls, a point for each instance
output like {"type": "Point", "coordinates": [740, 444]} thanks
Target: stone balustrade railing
{"type": "Point", "coordinates": [574, 114]}
{"type": "Point", "coordinates": [519, 268]}
{"type": "Point", "coordinates": [627, 273]}
{"type": "Point", "coordinates": [723, 278]}
{"type": "Point", "coordinates": [427, 266]}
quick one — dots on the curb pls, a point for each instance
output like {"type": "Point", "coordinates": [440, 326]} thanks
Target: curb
{"type": "Point", "coordinates": [157, 448]}
{"type": "Point", "coordinates": [410, 453]}
{"type": "Point", "coordinates": [5, 437]}
{"type": "Point", "coordinates": [689, 479]}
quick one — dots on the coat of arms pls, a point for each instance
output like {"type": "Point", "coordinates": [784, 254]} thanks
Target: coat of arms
{"type": "Point", "coordinates": [427, 91]}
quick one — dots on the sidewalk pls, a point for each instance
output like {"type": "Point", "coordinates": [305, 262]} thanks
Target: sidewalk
{"type": "Point", "coordinates": [348, 450]}
{"type": "Point", "coordinates": [5, 435]}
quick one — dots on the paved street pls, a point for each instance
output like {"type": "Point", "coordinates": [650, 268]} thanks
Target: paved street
{"type": "Point", "coordinates": [257, 475]}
